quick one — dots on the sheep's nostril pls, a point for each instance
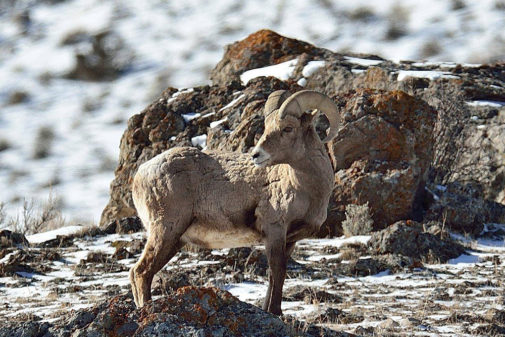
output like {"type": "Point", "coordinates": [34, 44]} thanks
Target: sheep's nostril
{"type": "Point", "coordinates": [255, 155]}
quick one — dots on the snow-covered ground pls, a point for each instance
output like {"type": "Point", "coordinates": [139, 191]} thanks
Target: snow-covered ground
{"type": "Point", "coordinates": [78, 124]}
{"type": "Point", "coordinates": [431, 300]}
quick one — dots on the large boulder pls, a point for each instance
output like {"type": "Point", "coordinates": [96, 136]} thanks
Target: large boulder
{"type": "Point", "coordinates": [258, 50]}
{"type": "Point", "coordinates": [408, 238]}
{"type": "Point", "coordinates": [404, 124]}
{"type": "Point", "coordinates": [382, 153]}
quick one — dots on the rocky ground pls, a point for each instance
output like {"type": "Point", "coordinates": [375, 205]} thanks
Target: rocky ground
{"type": "Point", "coordinates": [365, 285]}
{"type": "Point", "coordinates": [419, 157]}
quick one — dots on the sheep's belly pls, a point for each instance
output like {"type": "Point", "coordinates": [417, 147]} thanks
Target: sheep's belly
{"type": "Point", "coordinates": [208, 237]}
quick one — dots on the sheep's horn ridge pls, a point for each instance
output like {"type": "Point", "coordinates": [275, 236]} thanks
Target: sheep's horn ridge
{"type": "Point", "coordinates": [305, 100]}
{"type": "Point", "coordinates": [274, 101]}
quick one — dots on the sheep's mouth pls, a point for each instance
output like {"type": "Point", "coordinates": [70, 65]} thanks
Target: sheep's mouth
{"type": "Point", "coordinates": [262, 163]}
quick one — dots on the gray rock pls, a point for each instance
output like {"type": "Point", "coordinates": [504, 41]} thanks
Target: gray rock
{"type": "Point", "coordinates": [407, 238]}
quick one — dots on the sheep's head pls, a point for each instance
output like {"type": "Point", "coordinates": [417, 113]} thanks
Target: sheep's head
{"type": "Point", "coordinates": [289, 130]}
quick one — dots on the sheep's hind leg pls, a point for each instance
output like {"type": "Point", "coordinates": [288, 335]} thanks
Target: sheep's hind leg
{"type": "Point", "coordinates": [163, 243]}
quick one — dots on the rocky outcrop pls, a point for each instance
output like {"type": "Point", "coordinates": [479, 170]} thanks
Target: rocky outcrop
{"type": "Point", "coordinates": [463, 212]}
{"type": "Point", "coordinates": [404, 125]}
{"type": "Point", "coordinates": [189, 311]}
{"type": "Point", "coordinates": [382, 153]}
{"type": "Point", "coordinates": [258, 50]}
{"type": "Point", "coordinates": [408, 238]}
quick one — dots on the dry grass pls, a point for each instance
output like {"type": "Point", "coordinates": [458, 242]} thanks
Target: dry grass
{"type": "Point", "coordinates": [35, 218]}
{"type": "Point", "coordinates": [358, 220]}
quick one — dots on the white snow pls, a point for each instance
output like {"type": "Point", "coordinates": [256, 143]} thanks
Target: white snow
{"type": "Point", "coordinates": [362, 62]}
{"type": "Point", "coordinates": [358, 71]}
{"type": "Point", "coordinates": [178, 93]}
{"type": "Point", "coordinates": [199, 140]}
{"type": "Point", "coordinates": [492, 104]}
{"type": "Point", "coordinates": [335, 242]}
{"type": "Point", "coordinates": [429, 74]}
{"type": "Point", "coordinates": [190, 116]}
{"type": "Point", "coordinates": [302, 82]}
{"type": "Point", "coordinates": [51, 235]}
{"type": "Point", "coordinates": [282, 71]}
{"type": "Point", "coordinates": [219, 122]}
{"type": "Point", "coordinates": [464, 258]}
{"type": "Point", "coordinates": [232, 103]}
{"type": "Point", "coordinates": [311, 67]}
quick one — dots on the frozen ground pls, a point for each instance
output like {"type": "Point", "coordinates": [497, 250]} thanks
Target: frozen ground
{"type": "Point", "coordinates": [457, 298]}
{"type": "Point", "coordinates": [62, 135]}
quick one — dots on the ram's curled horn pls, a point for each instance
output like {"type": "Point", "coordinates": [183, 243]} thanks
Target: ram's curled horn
{"type": "Point", "coordinates": [274, 101]}
{"type": "Point", "coordinates": [305, 100]}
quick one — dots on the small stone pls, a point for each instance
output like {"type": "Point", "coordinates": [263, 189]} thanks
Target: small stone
{"type": "Point", "coordinates": [409, 322]}
{"type": "Point", "coordinates": [388, 324]}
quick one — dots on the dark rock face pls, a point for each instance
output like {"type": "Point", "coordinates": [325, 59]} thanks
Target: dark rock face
{"type": "Point", "coordinates": [407, 238]}
{"type": "Point", "coordinates": [11, 239]}
{"type": "Point", "coordinates": [127, 225]}
{"type": "Point", "coordinates": [189, 311]}
{"type": "Point", "coordinates": [464, 213]}
{"type": "Point", "coordinates": [400, 130]}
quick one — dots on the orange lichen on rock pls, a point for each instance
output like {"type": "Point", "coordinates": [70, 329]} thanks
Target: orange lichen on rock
{"type": "Point", "coordinates": [382, 152]}
{"type": "Point", "coordinates": [279, 47]}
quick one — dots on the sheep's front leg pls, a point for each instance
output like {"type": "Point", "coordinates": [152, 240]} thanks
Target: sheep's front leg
{"type": "Point", "coordinates": [277, 255]}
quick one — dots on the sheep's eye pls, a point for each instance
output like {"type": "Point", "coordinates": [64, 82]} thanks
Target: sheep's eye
{"type": "Point", "coordinates": [287, 129]}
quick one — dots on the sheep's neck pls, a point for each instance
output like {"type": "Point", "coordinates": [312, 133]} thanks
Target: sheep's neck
{"type": "Point", "coordinates": [314, 170]}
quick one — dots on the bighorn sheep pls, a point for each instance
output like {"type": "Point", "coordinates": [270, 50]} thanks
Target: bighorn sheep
{"type": "Point", "coordinates": [225, 200]}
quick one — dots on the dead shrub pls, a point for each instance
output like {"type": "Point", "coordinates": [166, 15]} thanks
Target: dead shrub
{"type": "Point", "coordinates": [35, 219]}
{"type": "Point", "coordinates": [358, 220]}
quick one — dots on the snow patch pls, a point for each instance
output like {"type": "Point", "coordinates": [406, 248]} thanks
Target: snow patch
{"type": "Point", "coordinates": [178, 93]}
{"type": "Point", "coordinates": [429, 74]}
{"type": "Point", "coordinates": [51, 235]}
{"type": "Point", "coordinates": [219, 122]}
{"type": "Point", "coordinates": [189, 117]}
{"type": "Point", "coordinates": [200, 141]}
{"type": "Point", "coordinates": [282, 71]}
{"type": "Point", "coordinates": [464, 258]}
{"type": "Point", "coordinates": [232, 103]}
{"type": "Point", "coordinates": [358, 71]}
{"type": "Point", "coordinates": [312, 67]}
{"type": "Point", "coordinates": [302, 82]}
{"type": "Point", "coordinates": [362, 62]}
{"type": "Point", "coordinates": [480, 103]}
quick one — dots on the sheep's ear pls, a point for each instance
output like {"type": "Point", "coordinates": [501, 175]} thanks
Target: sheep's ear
{"type": "Point", "coordinates": [309, 116]}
